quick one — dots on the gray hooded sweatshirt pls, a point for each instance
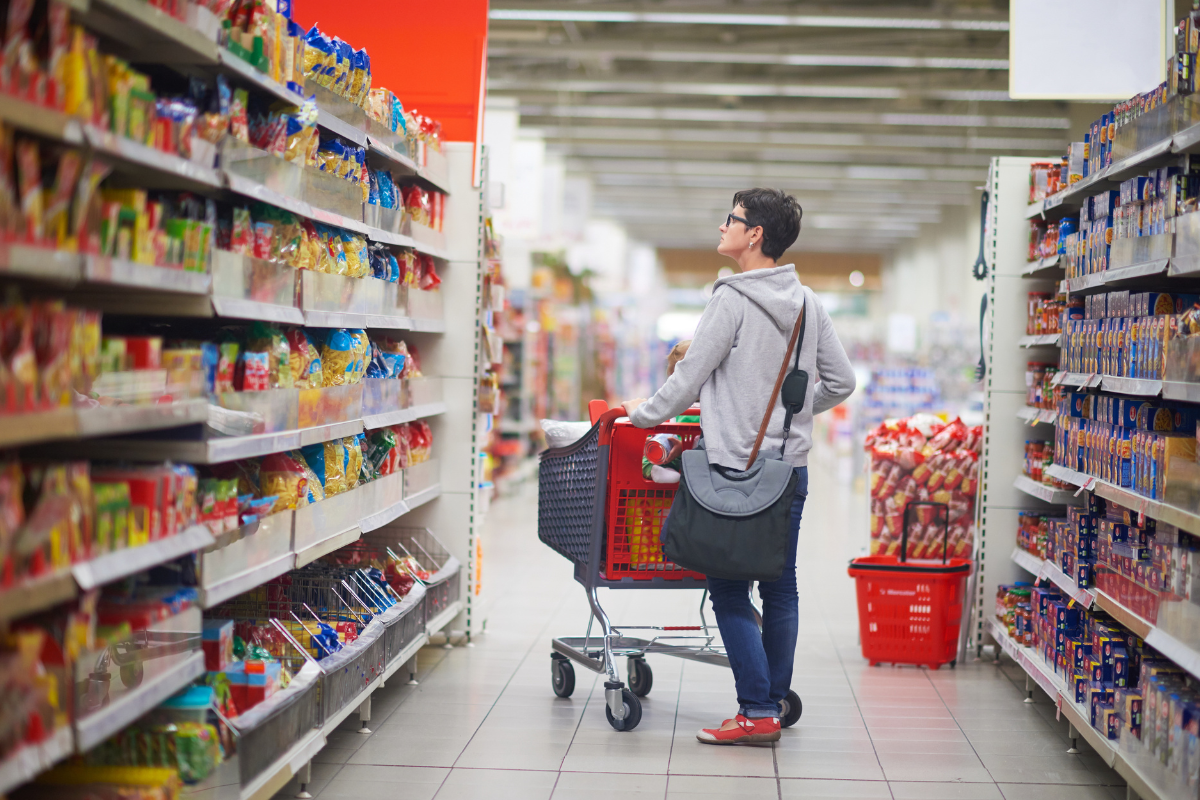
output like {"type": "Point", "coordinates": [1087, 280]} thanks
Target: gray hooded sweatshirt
{"type": "Point", "coordinates": [734, 360]}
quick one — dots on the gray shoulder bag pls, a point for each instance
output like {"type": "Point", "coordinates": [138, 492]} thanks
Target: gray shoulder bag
{"type": "Point", "coordinates": [735, 524]}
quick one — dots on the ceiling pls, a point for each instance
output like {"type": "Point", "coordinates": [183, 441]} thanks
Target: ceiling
{"type": "Point", "coordinates": [876, 115]}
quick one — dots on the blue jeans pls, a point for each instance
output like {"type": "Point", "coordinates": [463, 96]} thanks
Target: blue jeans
{"type": "Point", "coordinates": [762, 661]}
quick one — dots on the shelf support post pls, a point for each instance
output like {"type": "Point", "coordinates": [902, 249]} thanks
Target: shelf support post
{"type": "Point", "coordinates": [1073, 735]}
{"type": "Point", "coordinates": [1028, 690]}
{"type": "Point", "coordinates": [305, 780]}
{"type": "Point", "coordinates": [412, 672]}
{"type": "Point", "coordinates": [364, 716]}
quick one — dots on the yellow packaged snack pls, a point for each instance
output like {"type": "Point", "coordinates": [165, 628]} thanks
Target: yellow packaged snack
{"type": "Point", "coordinates": [354, 458]}
{"type": "Point", "coordinates": [335, 468]}
{"type": "Point", "coordinates": [361, 346]}
{"type": "Point", "coordinates": [338, 354]}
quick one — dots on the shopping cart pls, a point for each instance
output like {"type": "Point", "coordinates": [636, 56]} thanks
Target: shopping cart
{"type": "Point", "coordinates": [596, 509]}
{"type": "Point", "coordinates": [909, 612]}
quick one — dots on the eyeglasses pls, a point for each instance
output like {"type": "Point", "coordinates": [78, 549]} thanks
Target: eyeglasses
{"type": "Point", "coordinates": [729, 220]}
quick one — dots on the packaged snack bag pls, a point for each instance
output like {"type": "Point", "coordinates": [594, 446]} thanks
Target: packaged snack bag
{"type": "Point", "coordinates": [284, 477]}
{"type": "Point", "coordinates": [227, 358]}
{"type": "Point", "coordinates": [362, 349]}
{"type": "Point", "coordinates": [266, 338]}
{"type": "Point", "coordinates": [354, 460]}
{"type": "Point", "coordinates": [337, 358]}
{"type": "Point", "coordinates": [305, 360]}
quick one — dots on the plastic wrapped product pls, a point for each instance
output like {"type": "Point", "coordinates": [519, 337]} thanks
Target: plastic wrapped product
{"type": "Point", "coordinates": [337, 358]}
{"type": "Point", "coordinates": [282, 476]}
{"type": "Point", "coordinates": [239, 121]}
{"type": "Point", "coordinates": [29, 184]}
{"type": "Point", "coordinates": [255, 371]}
{"type": "Point", "coordinates": [264, 233]}
{"type": "Point", "coordinates": [361, 345]}
{"type": "Point", "coordinates": [227, 358]}
{"type": "Point", "coordinates": [269, 339]}
{"type": "Point", "coordinates": [354, 460]}
{"type": "Point", "coordinates": [305, 360]}
{"type": "Point", "coordinates": [387, 189]}
{"type": "Point", "coordinates": [242, 238]}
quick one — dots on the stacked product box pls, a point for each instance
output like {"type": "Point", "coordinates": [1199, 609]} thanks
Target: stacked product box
{"type": "Point", "coordinates": [1123, 334]}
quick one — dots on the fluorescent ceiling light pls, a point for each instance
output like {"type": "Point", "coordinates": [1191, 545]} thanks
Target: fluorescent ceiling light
{"type": "Point", "coordinates": [733, 57]}
{"type": "Point", "coordinates": [773, 20]}
{"type": "Point", "coordinates": [699, 88]}
{"type": "Point", "coordinates": [815, 117]}
{"type": "Point", "coordinates": [776, 171]}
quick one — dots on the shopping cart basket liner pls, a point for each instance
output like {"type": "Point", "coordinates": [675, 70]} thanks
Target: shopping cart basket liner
{"type": "Point", "coordinates": [561, 434]}
{"type": "Point", "coordinates": [269, 730]}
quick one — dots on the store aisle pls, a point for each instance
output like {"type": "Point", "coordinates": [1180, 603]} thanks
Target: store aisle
{"type": "Point", "coordinates": [484, 723]}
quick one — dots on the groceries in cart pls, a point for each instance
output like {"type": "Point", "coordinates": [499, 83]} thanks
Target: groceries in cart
{"type": "Point", "coordinates": [923, 459]}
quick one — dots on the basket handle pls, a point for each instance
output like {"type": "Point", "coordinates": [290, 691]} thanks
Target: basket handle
{"type": "Point", "coordinates": [945, 528]}
{"type": "Point", "coordinates": [595, 409]}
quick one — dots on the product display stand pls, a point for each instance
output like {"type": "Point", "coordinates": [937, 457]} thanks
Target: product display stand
{"type": "Point", "coordinates": [431, 507]}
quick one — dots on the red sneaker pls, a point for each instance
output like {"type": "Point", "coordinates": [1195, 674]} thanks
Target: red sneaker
{"type": "Point", "coordinates": [745, 731]}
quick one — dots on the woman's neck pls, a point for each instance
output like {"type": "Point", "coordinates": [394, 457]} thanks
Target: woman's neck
{"type": "Point", "coordinates": [754, 259]}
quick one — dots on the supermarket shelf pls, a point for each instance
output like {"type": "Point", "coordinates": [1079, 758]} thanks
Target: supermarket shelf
{"type": "Point", "coordinates": [1047, 571]}
{"type": "Point", "coordinates": [1035, 416]}
{"type": "Point", "coordinates": [47, 122]}
{"type": "Point", "coordinates": [1040, 340]}
{"type": "Point", "coordinates": [1027, 561]}
{"type": "Point", "coordinates": [1108, 750]}
{"type": "Point", "coordinates": [17, 429]}
{"type": "Point", "coordinates": [36, 595]}
{"type": "Point", "coordinates": [391, 154]}
{"type": "Point", "coordinates": [1176, 390]}
{"type": "Point", "coordinates": [276, 776]}
{"type": "Point", "coordinates": [1064, 202]}
{"type": "Point", "coordinates": [427, 325]}
{"type": "Point", "coordinates": [424, 496]}
{"type": "Point", "coordinates": [109, 420]}
{"type": "Point", "coordinates": [257, 191]}
{"type": "Point", "coordinates": [402, 415]}
{"type": "Point", "coordinates": [1115, 277]}
{"type": "Point", "coordinates": [383, 516]}
{"type": "Point", "coordinates": [1042, 268]}
{"type": "Point", "coordinates": [121, 563]}
{"type": "Point", "coordinates": [335, 124]}
{"type": "Point", "coordinates": [339, 716]}
{"type": "Point", "coordinates": [1141, 387]}
{"type": "Point", "coordinates": [1079, 379]}
{"type": "Point", "coordinates": [317, 318]}
{"type": "Point", "coordinates": [29, 761]}
{"type": "Point", "coordinates": [327, 546]}
{"type": "Point", "coordinates": [140, 155]}
{"type": "Point", "coordinates": [238, 308]}
{"type": "Point", "coordinates": [153, 34]}
{"type": "Point", "coordinates": [387, 237]}
{"type": "Point", "coordinates": [405, 655]}
{"type": "Point", "coordinates": [1154, 509]}
{"type": "Point", "coordinates": [118, 272]}
{"type": "Point", "coordinates": [42, 263]}
{"type": "Point", "coordinates": [1027, 660]}
{"type": "Point", "coordinates": [99, 725]}
{"type": "Point", "coordinates": [1043, 492]}
{"type": "Point", "coordinates": [242, 69]}
{"type": "Point", "coordinates": [217, 450]}
{"type": "Point", "coordinates": [217, 593]}
{"type": "Point", "coordinates": [444, 618]}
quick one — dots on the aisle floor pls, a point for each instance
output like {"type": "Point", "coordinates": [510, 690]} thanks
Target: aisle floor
{"type": "Point", "coordinates": [484, 723]}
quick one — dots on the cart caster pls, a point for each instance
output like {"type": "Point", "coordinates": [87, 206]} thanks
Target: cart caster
{"type": "Point", "coordinates": [562, 675]}
{"type": "Point", "coordinates": [633, 712]}
{"type": "Point", "coordinates": [792, 709]}
{"type": "Point", "coordinates": [953, 663]}
{"type": "Point", "coordinates": [131, 674]}
{"type": "Point", "coordinates": [641, 678]}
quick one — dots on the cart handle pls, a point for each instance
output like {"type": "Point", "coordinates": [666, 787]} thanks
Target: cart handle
{"type": "Point", "coordinates": [606, 419]}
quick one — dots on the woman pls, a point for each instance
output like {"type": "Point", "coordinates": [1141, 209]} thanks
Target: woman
{"type": "Point", "coordinates": [731, 367]}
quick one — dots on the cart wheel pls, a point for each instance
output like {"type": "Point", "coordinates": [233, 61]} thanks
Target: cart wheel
{"type": "Point", "coordinates": [562, 675]}
{"type": "Point", "coordinates": [792, 709]}
{"type": "Point", "coordinates": [953, 663]}
{"type": "Point", "coordinates": [131, 674]}
{"type": "Point", "coordinates": [640, 676]}
{"type": "Point", "coordinates": [633, 712]}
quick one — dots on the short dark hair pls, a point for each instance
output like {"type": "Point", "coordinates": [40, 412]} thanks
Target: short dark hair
{"type": "Point", "coordinates": [779, 215]}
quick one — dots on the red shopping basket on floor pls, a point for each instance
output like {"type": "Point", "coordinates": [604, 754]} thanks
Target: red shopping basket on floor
{"type": "Point", "coordinates": [910, 612]}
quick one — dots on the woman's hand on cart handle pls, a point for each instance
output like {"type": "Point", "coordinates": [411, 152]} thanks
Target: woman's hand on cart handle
{"type": "Point", "coordinates": [631, 405]}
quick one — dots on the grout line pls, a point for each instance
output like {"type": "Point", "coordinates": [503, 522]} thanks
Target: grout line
{"type": "Point", "coordinates": [775, 763]}
{"type": "Point", "coordinates": [583, 711]}
{"type": "Point", "coordinates": [853, 694]}
{"type": "Point", "coordinates": [960, 729]}
{"type": "Point", "coordinates": [517, 668]}
{"type": "Point", "coordinates": [674, 729]}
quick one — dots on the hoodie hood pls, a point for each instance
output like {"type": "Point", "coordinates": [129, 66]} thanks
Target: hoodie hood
{"type": "Point", "coordinates": [776, 291]}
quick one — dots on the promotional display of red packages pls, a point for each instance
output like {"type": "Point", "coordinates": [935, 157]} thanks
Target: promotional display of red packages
{"type": "Point", "coordinates": [924, 459]}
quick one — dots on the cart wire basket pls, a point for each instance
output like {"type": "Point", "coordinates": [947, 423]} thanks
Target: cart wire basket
{"type": "Point", "coordinates": [596, 510]}
{"type": "Point", "coordinates": [910, 612]}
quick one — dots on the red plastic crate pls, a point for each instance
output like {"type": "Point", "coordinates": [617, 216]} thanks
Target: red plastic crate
{"type": "Point", "coordinates": [637, 507]}
{"type": "Point", "coordinates": [910, 613]}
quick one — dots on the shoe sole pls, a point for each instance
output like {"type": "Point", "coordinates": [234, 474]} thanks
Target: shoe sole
{"type": "Point", "coordinates": [752, 738]}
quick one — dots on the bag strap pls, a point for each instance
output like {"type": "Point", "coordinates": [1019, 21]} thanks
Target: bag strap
{"type": "Point", "coordinates": [762, 429]}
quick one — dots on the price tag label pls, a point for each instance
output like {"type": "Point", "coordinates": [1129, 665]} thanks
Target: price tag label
{"type": "Point", "coordinates": [1058, 708]}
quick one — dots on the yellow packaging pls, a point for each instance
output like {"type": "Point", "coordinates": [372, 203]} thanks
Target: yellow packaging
{"type": "Point", "coordinates": [335, 467]}
{"type": "Point", "coordinates": [354, 459]}
{"type": "Point", "coordinates": [362, 348]}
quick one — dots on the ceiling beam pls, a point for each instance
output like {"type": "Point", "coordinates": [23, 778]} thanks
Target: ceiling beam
{"type": "Point", "coordinates": [908, 20]}
{"type": "Point", "coordinates": [623, 52]}
{"type": "Point", "coordinates": [773, 170]}
{"type": "Point", "coordinates": [505, 83]}
{"type": "Point", "coordinates": [816, 116]}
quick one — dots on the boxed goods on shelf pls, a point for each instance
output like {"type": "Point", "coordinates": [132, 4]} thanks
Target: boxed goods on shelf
{"type": "Point", "coordinates": [923, 459]}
